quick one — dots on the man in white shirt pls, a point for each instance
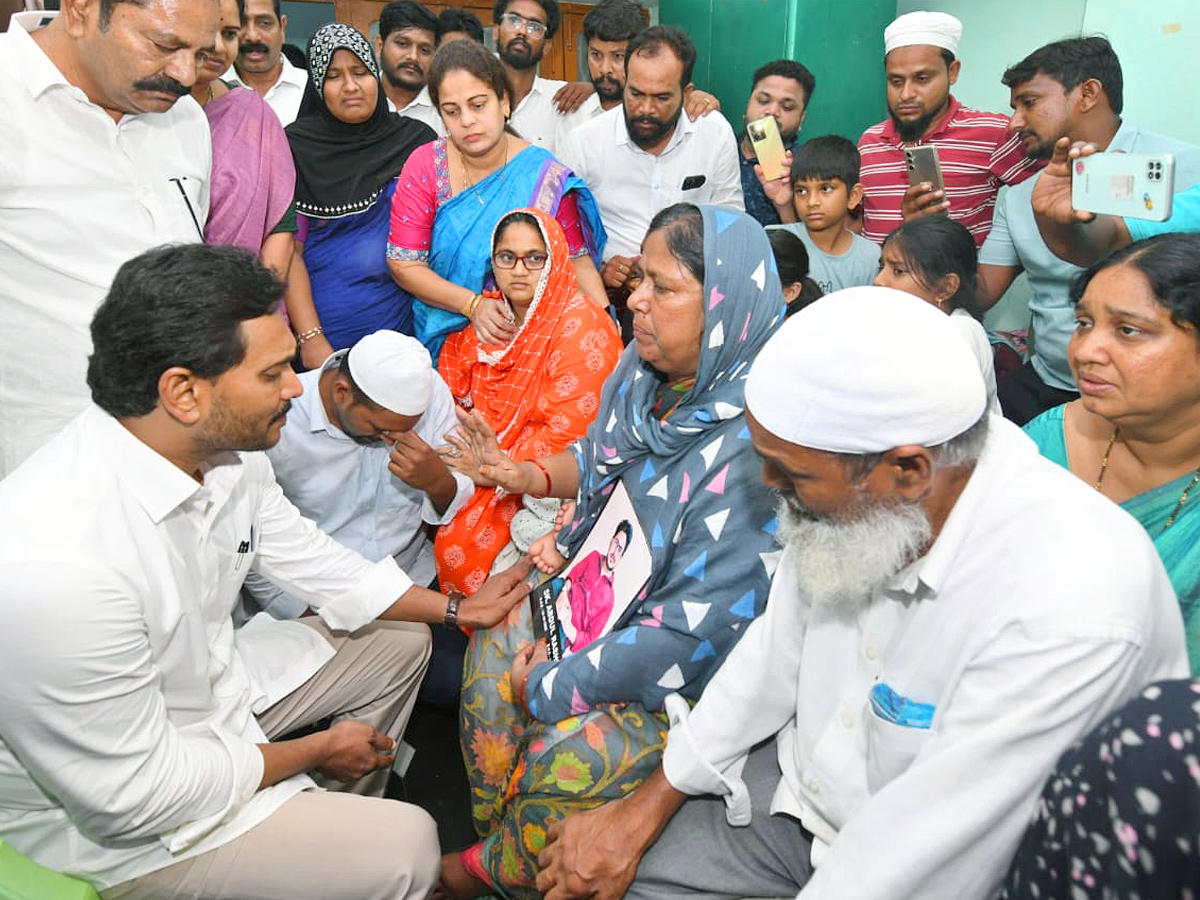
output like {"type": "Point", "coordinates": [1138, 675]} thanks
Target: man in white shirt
{"type": "Point", "coordinates": [522, 32]}
{"type": "Point", "coordinates": [103, 157]}
{"type": "Point", "coordinates": [405, 45]}
{"type": "Point", "coordinates": [607, 30]}
{"type": "Point", "coordinates": [357, 456]}
{"type": "Point", "coordinates": [952, 611]}
{"type": "Point", "coordinates": [260, 62]}
{"type": "Point", "coordinates": [648, 155]}
{"type": "Point", "coordinates": [137, 747]}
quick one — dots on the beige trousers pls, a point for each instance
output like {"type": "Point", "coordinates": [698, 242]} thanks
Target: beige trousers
{"type": "Point", "coordinates": [327, 846]}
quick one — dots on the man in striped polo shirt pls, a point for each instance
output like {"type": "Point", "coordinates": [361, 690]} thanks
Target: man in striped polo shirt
{"type": "Point", "coordinates": [976, 151]}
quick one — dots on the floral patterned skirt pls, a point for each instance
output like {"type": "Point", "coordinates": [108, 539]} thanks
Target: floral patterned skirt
{"type": "Point", "coordinates": [525, 774]}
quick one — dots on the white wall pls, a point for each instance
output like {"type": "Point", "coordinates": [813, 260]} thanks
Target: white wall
{"type": "Point", "coordinates": [1158, 42]}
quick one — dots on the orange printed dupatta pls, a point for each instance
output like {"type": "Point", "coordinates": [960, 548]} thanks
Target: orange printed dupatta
{"type": "Point", "coordinates": [540, 392]}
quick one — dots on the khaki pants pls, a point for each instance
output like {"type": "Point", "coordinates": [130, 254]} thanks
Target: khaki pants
{"type": "Point", "coordinates": [327, 846]}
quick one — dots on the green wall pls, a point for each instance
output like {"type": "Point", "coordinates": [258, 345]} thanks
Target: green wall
{"type": "Point", "coordinates": [832, 38]}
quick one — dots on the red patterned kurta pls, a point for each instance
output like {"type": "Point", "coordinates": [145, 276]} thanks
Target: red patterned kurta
{"type": "Point", "coordinates": [977, 155]}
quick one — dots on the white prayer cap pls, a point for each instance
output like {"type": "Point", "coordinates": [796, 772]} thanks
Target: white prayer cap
{"type": "Point", "coordinates": [394, 370]}
{"type": "Point", "coordinates": [864, 370]}
{"type": "Point", "coordinates": [936, 29]}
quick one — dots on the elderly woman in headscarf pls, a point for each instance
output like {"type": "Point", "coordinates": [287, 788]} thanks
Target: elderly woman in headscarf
{"type": "Point", "coordinates": [543, 739]}
{"type": "Point", "coordinates": [348, 150]}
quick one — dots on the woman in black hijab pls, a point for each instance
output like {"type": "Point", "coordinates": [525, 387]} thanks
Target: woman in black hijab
{"type": "Point", "coordinates": [348, 150]}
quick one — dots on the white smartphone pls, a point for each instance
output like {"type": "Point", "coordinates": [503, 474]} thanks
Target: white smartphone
{"type": "Point", "coordinates": [768, 146]}
{"type": "Point", "coordinates": [1131, 185]}
{"type": "Point", "coordinates": [924, 165]}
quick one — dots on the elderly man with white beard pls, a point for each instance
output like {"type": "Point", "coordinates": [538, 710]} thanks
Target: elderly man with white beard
{"type": "Point", "coordinates": [949, 615]}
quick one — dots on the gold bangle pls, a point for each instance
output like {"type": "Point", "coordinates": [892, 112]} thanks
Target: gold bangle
{"type": "Point", "coordinates": [468, 308]}
{"type": "Point", "coordinates": [309, 335]}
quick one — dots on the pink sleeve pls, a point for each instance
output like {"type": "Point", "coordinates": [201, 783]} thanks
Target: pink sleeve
{"type": "Point", "coordinates": [414, 206]}
{"type": "Point", "coordinates": [568, 218]}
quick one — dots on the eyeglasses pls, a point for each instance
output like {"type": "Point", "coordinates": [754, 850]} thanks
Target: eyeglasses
{"type": "Point", "coordinates": [532, 27]}
{"type": "Point", "coordinates": [533, 262]}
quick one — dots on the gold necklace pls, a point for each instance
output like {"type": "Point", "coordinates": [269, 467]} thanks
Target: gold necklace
{"type": "Point", "coordinates": [462, 158]}
{"type": "Point", "coordinates": [1182, 497]}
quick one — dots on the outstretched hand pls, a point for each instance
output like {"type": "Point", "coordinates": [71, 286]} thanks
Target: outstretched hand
{"type": "Point", "coordinates": [494, 464]}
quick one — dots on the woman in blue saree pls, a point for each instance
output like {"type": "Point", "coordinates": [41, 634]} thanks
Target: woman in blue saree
{"type": "Point", "coordinates": [1134, 432]}
{"type": "Point", "coordinates": [348, 150]}
{"type": "Point", "coordinates": [453, 191]}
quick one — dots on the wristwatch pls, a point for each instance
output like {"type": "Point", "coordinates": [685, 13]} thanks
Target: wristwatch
{"type": "Point", "coordinates": [450, 620]}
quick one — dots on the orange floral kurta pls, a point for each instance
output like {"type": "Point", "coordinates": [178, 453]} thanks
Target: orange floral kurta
{"type": "Point", "coordinates": [540, 393]}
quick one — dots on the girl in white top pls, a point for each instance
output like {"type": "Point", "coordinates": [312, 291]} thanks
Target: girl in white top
{"type": "Point", "coordinates": [935, 258]}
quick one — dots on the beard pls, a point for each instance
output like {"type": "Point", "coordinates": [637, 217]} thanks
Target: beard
{"type": "Point", "coordinates": [913, 129]}
{"type": "Point", "coordinates": [661, 128]}
{"type": "Point", "coordinates": [523, 58]}
{"type": "Point", "coordinates": [408, 79]}
{"type": "Point", "coordinates": [846, 561]}
{"type": "Point", "coordinates": [227, 429]}
{"type": "Point", "coordinates": [1040, 150]}
{"type": "Point", "coordinates": [608, 89]}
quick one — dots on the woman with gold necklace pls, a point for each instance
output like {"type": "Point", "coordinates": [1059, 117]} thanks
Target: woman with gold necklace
{"type": "Point", "coordinates": [454, 191]}
{"type": "Point", "coordinates": [1134, 432]}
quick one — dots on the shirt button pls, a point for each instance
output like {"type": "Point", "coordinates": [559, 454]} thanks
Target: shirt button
{"type": "Point", "coordinates": [870, 652]}
{"type": "Point", "coordinates": [813, 786]}
{"type": "Point", "coordinates": [848, 720]}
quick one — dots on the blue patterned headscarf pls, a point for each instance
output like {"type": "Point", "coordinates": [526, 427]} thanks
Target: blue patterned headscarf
{"type": "Point", "coordinates": [743, 305]}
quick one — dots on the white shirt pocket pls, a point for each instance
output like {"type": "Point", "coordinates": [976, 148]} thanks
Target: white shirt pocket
{"type": "Point", "coordinates": [891, 749]}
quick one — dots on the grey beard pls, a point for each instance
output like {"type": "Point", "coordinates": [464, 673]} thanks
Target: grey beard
{"type": "Point", "coordinates": [848, 561]}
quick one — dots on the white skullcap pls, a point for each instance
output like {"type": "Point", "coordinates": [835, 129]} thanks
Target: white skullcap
{"type": "Point", "coordinates": [394, 370]}
{"type": "Point", "coordinates": [864, 370]}
{"type": "Point", "coordinates": [933, 28]}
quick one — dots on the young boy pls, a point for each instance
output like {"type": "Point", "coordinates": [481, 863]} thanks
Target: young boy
{"type": "Point", "coordinates": [824, 186]}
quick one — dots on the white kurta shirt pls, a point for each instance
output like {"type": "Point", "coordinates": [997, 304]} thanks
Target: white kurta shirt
{"type": "Point", "coordinates": [538, 120]}
{"type": "Point", "coordinates": [80, 194]}
{"type": "Point", "coordinates": [698, 165]}
{"type": "Point", "coordinates": [1041, 607]}
{"type": "Point", "coordinates": [284, 95]}
{"type": "Point", "coordinates": [422, 109]}
{"type": "Point", "coordinates": [346, 488]}
{"type": "Point", "coordinates": [128, 733]}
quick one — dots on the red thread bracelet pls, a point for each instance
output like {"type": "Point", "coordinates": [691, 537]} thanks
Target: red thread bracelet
{"type": "Point", "coordinates": [547, 474]}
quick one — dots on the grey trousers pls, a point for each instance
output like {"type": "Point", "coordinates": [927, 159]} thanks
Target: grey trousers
{"type": "Point", "coordinates": [701, 856]}
{"type": "Point", "coordinates": [327, 846]}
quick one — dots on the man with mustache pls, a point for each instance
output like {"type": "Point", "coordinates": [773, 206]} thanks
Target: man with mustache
{"type": "Point", "coordinates": [607, 29]}
{"type": "Point", "coordinates": [261, 64]}
{"type": "Point", "coordinates": [977, 153]}
{"type": "Point", "coordinates": [645, 154]}
{"type": "Point", "coordinates": [949, 615]}
{"type": "Point", "coordinates": [522, 31]}
{"type": "Point", "coordinates": [1070, 88]}
{"type": "Point", "coordinates": [142, 744]}
{"type": "Point", "coordinates": [100, 163]}
{"type": "Point", "coordinates": [408, 36]}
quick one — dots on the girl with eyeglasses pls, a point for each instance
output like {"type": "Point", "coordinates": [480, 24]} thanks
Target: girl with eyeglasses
{"type": "Point", "coordinates": [539, 390]}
